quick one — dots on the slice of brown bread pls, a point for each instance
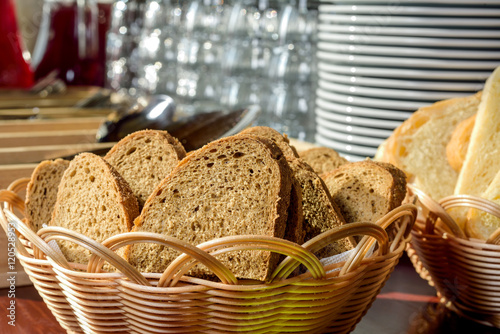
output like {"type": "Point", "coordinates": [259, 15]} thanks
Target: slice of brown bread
{"type": "Point", "coordinates": [281, 140]}
{"type": "Point", "coordinates": [295, 222]}
{"type": "Point", "coordinates": [41, 192]}
{"type": "Point", "coordinates": [366, 190]}
{"type": "Point", "coordinates": [238, 185]}
{"type": "Point", "coordinates": [144, 158]}
{"type": "Point", "coordinates": [320, 212]}
{"type": "Point", "coordinates": [93, 199]}
{"type": "Point", "coordinates": [322, 159]}
{"type": "Point", "coordinates": [295, 214]}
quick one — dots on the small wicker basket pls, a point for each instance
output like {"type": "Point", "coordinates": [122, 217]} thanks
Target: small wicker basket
{"type": "Point", "coordinates": [465, 272]}
{"type": "Point", "coordinates": [331, 298]}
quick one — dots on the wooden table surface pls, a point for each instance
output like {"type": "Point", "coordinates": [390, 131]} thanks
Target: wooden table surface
{"type": "Point", "coordinates": [405, 305]}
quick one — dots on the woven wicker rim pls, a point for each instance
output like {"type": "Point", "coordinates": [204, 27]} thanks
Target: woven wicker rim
{"type": "Point", "coordinates": [439, 210]}
{"type": "Point", "coordinates": [204, 253]}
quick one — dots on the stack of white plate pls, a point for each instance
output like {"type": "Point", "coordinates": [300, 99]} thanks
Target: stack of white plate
{"type": "Point", "coordinates": [379, 61]}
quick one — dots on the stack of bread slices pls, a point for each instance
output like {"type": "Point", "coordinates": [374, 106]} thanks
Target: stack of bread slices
{"type": "Point", "coordinates": [453, 148]}
{"type": "Point", "coordinates": [252, 183]}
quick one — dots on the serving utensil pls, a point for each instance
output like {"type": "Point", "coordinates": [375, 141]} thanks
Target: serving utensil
{"type": "Point", "coordinates": [159, 112]}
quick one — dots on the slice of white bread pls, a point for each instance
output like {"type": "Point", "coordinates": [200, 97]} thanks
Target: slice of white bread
{"type": "Point", "coordinates": [41, 192]}
{"type": "Point", "coordinates": [418, 145]}
{"type": "Point", "coordinates": [482, 161]}
{"type": "Point", "coordinates": [366, 190]}
{"type": "Point", "coordinates": [238, 185]}
{"type": "Point", "coordinates": [144, 158]}
{"type": "Point", "coordinates": [481, 225]}
{"type": "Point", "coordinates": [93, 199]}
{"type": "Point", "coordinates": [456, 150]}
{"type": "Point", "coordinates": [281, 140]}
{"type": "Point", "coordinates": [320, 212]}
{"type": "Point", "coordinates": [322, 159]}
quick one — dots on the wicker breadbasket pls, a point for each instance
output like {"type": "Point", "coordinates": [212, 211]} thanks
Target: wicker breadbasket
{"type": "Point", "coordinates": [465, 272]}
{"type": "Point", "coordinates": [331, 298]}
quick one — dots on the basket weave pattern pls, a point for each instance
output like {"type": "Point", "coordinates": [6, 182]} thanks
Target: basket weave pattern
{"type": "Point", "coordinates": [330, 298]}
{"type": "Point", "coordinates": [465, 272]}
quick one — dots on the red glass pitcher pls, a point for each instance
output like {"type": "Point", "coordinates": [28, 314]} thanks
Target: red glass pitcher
{"type": "Point", "coordinates": [15, 72]}
{"type": "Point", "coordinates": [72, 40]}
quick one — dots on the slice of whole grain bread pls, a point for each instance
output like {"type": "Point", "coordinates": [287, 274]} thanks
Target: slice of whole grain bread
{"type": "Point", "coordinates": [295, 222]}
{"type": "Point", "coordinates": [144, 158]}
{"type": "Point", "coordinates": [366, 190]}
{"type": "Point", "coordinates": [94, 200]}
{"type": "Point", "coordinates": [281, 140]}
{"type": "Point", "coordinates": [41, 192]}
{"type": "Point", "coordinates": [322, 159]}
{"type": "Point", "coordinates": [320, 212]}
{"type": "Point", "coordinates": [238, 185]}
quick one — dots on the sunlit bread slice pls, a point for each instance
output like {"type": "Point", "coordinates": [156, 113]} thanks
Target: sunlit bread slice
{"type": "Point", "coordinates": [93, 199]}
{"type": "Point", "coordinates": [41, 192]}
{"type": "Point", "coordinates": [144, 158]}
{"type": "Point", "coordinates": [237, 185]}
{"type": "Point", "coordinates": [482, 161]}
{"type": "Point", "coordinates": [418, 145]}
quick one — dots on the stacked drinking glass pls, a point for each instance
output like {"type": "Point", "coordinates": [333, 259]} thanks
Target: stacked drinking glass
{"type": "Point", "coordinates": [215, 53]}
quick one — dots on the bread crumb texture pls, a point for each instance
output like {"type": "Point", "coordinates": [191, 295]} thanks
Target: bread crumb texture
{"type": "Point", "coordinates": [238, 185]}
{"type": "Point", "coordinates": [144, 158]}
{"type": "Point", "coordinates": [94, 200]}
{"type": "Point", "coordinates": [418, 145]}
